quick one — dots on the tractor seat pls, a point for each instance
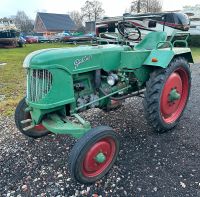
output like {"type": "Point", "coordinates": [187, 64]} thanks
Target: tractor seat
{"type": "Point", "coordinates": [150, 41]}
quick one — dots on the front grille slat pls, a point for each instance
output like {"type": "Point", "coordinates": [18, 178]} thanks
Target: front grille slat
{"type": "Point", "coordinates": [39, 83]}
{"type": "Point", "coordinates": [36, 85]}
{"type": "Point", "coordinates": [43, 83]}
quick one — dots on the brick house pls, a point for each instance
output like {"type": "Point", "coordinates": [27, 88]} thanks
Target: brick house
{"type": "Point", "coordinates": [50, 24]}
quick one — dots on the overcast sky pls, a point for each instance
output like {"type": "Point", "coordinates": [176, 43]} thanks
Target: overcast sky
{"type": "Point", "coordinates": [111, 7]}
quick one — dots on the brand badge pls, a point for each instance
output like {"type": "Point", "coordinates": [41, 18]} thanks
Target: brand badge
{"type": "Point", "coordinates": [82, 60]}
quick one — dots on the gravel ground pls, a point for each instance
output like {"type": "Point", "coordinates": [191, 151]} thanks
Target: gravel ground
{"type": "Point", "coordinates": [149, 164]}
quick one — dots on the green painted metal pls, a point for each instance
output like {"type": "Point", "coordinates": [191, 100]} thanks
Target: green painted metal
{"type": "Point", "coordinates": [37, 114]}
{"type": "Point", "coordinates": [174, 95]}
{"type": "Point", "coordinates": [78, 60]}
{"type": "Point", "coordinates": [71, 68]}
{"type": "Point", "coordinates": [58, 125]}
{"type": "Point", "coordinates": [164, 56]}
{"type": "Point", "coordinates": [56, 96]}
{"type": "Point", "coordinates": [180, 35]}
{"type": "Point", "coordinates": [100, 158]}
{"type": "Point", "coordinates": [85, 79]}
{"type": "Point", "coordinates": [142, 74]}
{"type": "Point", "coordinates": [133, 59]}
{"type": "Point", "coordinates": [150, 41]}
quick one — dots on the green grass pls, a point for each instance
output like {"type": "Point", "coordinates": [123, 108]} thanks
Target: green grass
{"type": "Point", "coordinates": [12, 75]}
{"type": "Point", "coordinates": [196, 54]}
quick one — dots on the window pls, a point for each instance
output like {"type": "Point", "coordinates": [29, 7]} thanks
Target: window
{"type": "Point", "coordinates": [169, 18]}
{"type": "Point", "coordinates": [181, 18]}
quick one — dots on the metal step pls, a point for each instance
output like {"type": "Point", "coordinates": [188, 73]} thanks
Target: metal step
{"type": "Point", "coordinates": [26, 121]}
{"type": "Point", "coordinates": [28, 128]}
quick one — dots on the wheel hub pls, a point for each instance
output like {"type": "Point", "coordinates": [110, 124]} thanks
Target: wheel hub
{"type": "Point", "coordinates": [100, 158]}
{"type": "Point", "coordinates": [174, 95]}
{"type": "Point", "coordinates": [95, 157]}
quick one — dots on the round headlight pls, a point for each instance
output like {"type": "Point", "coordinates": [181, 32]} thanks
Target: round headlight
{"type": "Point", "coordinates": [112, 79]}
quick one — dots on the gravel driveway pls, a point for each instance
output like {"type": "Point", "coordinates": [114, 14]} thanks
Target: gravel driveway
{"type": "Point", "coordinates": [149, 164]}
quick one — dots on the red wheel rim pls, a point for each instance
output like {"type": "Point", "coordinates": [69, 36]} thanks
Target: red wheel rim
{"type": "Point", "coordinates": [178, 81]}
{"type": "Point", "coordinates": [92, 168]}
{"type": "Point", "coordinates": [38, 127]}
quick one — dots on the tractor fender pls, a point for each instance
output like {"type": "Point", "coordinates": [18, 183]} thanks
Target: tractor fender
{"type": "Point", "coordinates": [162, 58]}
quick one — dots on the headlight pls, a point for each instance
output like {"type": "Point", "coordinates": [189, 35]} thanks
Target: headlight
{"type": "Point", "coordinates": [112, 79]}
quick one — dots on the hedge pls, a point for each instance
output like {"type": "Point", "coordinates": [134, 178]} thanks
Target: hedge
{"type": "Point", "coordinates": [194, 41]}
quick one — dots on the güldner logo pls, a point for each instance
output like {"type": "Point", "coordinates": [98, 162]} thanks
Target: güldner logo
{"type": "Point", "coordinates": [80, 61]}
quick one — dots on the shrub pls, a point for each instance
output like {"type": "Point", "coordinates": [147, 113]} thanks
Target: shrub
{"type": "Point", "coordinates": [194, 41]}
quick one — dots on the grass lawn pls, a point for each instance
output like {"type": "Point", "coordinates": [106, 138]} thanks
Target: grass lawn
{"type": "Point", "coordinates": [12, 75]}
{"type": "Point", "coordinates": [196, 54]}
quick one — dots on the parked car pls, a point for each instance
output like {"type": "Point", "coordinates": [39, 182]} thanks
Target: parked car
{"type": "Point", "coordinates": [64, 37]}
{"type": "Point", "coordinates": [83, 38]}
{"type": "Point", "coordinates": [78, 37]}
{"type": "Point", "coordinates": [31, 39]}
{"type": "Point", "coordinates": [42, 39]}
{"type": "Point", "coordinates": [21, 41]}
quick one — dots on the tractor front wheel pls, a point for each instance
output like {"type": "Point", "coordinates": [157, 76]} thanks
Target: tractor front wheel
{"type": "Point", "coordinates": [20, 115]}
{"type": "Point", "coordinates": [166, 95]}
{"type": "Point", "coordinates": [94, 154]}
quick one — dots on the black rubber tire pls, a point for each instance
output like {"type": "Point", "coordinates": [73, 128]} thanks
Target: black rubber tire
{"type": "Point", "coordinates": [20, 115]}
{"type": "Point", "coordinates": [81, 147]}
{"type": "Point", "coordinates": [154, 87]}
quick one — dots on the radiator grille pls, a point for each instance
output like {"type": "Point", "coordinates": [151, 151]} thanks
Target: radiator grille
{"type": "Point", "coordinates": [39, 83]}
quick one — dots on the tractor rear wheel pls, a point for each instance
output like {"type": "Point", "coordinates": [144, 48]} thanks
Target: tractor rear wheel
{"type": "Point", "coordinates": [167, 93]}
{"type": "Point", "coordinates": [94, 154]}
{"type": "Point", "coordinates": [20, 115]}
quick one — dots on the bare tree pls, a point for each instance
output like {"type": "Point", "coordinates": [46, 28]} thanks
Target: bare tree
{"type": "Point", "coordinates": [87, 11]}
{"type": "Point", "coordinates": [137, 6]}
{"type": "Point", "coordinates": [98, 10]}
{"type": "Point", "coordinates": [23, 22]}
{"type": "Point", "coordinates": [154, 6]}
{"type": "Point", "coordinates": [144, 6]}
{"type": "Point", "coordinates": [92, 10]}
{"type": "Point", "coordinates": [77, 18]}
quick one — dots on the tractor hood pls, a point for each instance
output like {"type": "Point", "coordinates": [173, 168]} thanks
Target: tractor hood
{"type": "Point", "coordinates": [77, 59]}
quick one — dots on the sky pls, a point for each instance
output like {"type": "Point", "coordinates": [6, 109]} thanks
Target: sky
{"type": "Point", "coordinates": [111, 7]}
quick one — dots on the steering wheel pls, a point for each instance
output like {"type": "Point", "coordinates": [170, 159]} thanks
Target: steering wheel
{"type": "Point", "coordinates": [128, 30]}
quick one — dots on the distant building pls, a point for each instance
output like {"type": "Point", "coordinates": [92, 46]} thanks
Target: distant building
{"type": "Point", "coordinates": [7, 24]}
{"type": "Point", "coordinates": [90, 26]}
{"type": "Point", "coordinates": [50, 24]}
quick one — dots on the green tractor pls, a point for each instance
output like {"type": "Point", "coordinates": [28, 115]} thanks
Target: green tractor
{"type": "Point", "coordinates": [63, 82]}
